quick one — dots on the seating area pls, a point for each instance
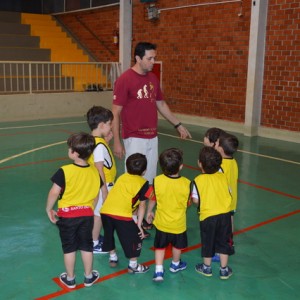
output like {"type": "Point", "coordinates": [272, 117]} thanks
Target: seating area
{"type": "Point", "coordinates": [37, 55]}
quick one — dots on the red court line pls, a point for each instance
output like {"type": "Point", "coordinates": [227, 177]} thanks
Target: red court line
{"type": "Point", "coordinates": [257, 186]}
{"type": "Point", "coordinates": [34, 163]}
{"type": "Point", "coordinates": [167, 256]}
{"type": "Point", "coordinates": [35, 132]}
{"type": "Point", "coordinates": [270, 190]}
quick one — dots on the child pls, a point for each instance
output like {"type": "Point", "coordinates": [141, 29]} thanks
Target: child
{"type": "Point", "coordinates": [116, 213]}
{"type": "Point", "coordinates": [172, 193]}
{"type": "Point", "coordinates": [211, 193]}
{"type": "Point", "coordinates": [227, 145]}
{"type": "Point", "coordinates": [77, 186]}
{"type": "Point", "coordinates": [99, 120]}
{"type": "Point", "coordinates": [211, 136]}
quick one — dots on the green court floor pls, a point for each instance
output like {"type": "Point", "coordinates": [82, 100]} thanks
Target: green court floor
{"type": "Point", "coordinates": [267, 239]}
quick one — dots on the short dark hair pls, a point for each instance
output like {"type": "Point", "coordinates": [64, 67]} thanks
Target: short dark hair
{"type": "Point", "coordinates": [82, 143]}
{"type": "Point", "coordinates": [170, 161]}
{"type": "Point", "coordinates": [97, 115]}
{"type": "Point", "coordinates": [229, 143]}
{"type": "Point", "coordinates": [213, 134]}
{"type": "Point", "coordinates": [210, 160]}
{"type": "Point", "coordinates": [141, 47]}
{"type": "Point", "coordinates": [136, 164]}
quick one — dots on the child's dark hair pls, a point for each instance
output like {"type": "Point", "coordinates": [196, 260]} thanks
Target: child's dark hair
{"type": "Point", "coordinates": [97, 115]}
{"type": "Point", "coordinates": [82, 143]}
{"type": "Point", "coordinates": [170, 161]}
{"type": "Point", "coordinates": [210, 160]}
{"type": "Point", "coordinates": [213, 134]}
{"type": "Point", "coordinates": [136, 164]}
{"type": "Point", "coordinates": [140, 49]}
{"type": "Point", "coordinates": [229, 143]}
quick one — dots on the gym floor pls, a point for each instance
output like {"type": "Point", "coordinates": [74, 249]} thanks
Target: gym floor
{"type": "Point", "coordinates": [266, 263]}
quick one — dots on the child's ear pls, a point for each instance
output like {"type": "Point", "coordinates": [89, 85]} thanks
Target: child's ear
{"type": "Point", "coordinates": [181, 166]}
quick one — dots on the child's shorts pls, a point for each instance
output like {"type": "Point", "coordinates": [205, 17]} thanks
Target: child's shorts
{"type": "Point", "coordinates": [76, 234]}
{"type": "Point", "coordinates": [128, 234]}
{"type": "Point", "coordinates": [216, 235]}
{"type": "Point", "coordinates": [163, 239]}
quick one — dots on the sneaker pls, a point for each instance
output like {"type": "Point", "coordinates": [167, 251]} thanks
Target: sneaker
{"type": "Point", "coordinates": [98, 249]}
{"type": "Point", "coordinates": [138, 270]}
{"type": "Point", "coordinates": [113, 263]}
{"type": "Point", "coordinates": [71, 284]}
{"type": "Point", "coordinates": [225, 273]}
{"type": "Point", "coordinates": [180, 267]}
{"type": "Point", "coordinates": [158, 276]}
{"type": "Point", "coordinates": [203, 269]}
{"type": "Point", "coordinates": [91, 281]}
{"type": "Point", "coordinates": [216, 258]}
{"type": "Point", "coordinates": [101, 239]}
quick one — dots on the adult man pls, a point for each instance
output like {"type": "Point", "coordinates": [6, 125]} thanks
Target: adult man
{"type": "Point", "coordinates": [137, 98]}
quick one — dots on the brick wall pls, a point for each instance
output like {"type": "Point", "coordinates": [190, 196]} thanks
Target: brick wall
{"type": "Point", "coordinates": [102, 23]}
{"type": "Point", "coordinates": [281, 95]}
{"type": "Point", "coordinates": [204, 51]}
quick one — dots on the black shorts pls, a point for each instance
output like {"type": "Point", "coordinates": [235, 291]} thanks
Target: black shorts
{"type": "Point", "coordinates": [128, 234]}
{"type": "Point", "coordinates": [76, 234]}
{"type": "Point", "coordinates": [163, 239]}
{"type": "Point", "coordinates": [216, 235]}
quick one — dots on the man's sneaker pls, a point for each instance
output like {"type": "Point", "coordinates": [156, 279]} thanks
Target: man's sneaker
{"type": "Point", "coordinates": [158, 276]}
{"type": "Point", "coordinates": [71, 284]}
{"type": "Point", "coordinates": [225, 273]}
{"type": "Point", "coordinates": [98, 249]}
{"type": "Point", "coordinates": [91, 281]}
{"type": "Point", "coordinates": [180, 267]}
{"type": "Point", "coordinates": [138, 270]}
{"type": "Point", "coordinates": [216, 258]}
{"type": "Point", "coordinates": [203, 269]}
{"type": "Point", "coordinates": [113, 263]}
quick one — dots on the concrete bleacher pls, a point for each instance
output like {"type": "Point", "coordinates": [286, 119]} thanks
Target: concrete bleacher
{"type": "Point", "coordinates": [38, 38]}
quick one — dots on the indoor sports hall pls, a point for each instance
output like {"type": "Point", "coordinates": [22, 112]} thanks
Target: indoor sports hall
{"type": "Point", "coordinates": [266, 236]}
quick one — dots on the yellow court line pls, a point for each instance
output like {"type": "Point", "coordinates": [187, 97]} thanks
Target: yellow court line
{"type": "Point", "coordinates": [164, 134]}
{"type": "Point", "coordinates": [243, 151]}
{"type": "Point", "coordinates": [29, 151]}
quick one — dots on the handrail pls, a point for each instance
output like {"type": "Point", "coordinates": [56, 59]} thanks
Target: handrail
{"type": "Point", "coordinates": [49, 77]}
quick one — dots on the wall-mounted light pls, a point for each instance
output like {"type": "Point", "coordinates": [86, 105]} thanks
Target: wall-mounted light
{"type": "Point", "coordinates": [153, 12]}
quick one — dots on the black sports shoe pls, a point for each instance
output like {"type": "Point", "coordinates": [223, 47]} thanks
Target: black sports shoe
{"type": "Point", "coordinates": [91, 281]}
{"type": "Point", "coordinates": [71, 284]}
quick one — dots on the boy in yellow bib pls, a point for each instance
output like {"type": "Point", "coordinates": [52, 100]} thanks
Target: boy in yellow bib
{"type": "Point", "coordinates": [212, 194]}
{"type": "Point", "coordinates": [172, 195]}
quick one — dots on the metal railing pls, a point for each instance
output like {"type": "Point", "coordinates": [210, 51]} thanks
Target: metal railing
{"type": "Point", "coordinates": [49, 77]}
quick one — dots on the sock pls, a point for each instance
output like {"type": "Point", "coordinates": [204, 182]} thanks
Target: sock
{"type": "Point", "coordinates": [70, 278]}
{"type": "Point", "coordinates": [225, 268]}
{"type": "Point", "coordinates": [113, 257]}
{"type": "Point", "coordinates": [89, 276]}
{"type": "Point", "coordinates": [159, 268]}
{"type": "Point", "coordinates": [206, 266]}
{"type": "Point", "coordinates": [95, 243]}
{"type": "Point", "coordinates": [175, 263]}
{"type": "Point", "coordinates": [133, 263]}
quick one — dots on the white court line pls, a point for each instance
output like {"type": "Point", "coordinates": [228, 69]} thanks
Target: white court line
{"type": "Point", "coordinates": [169, 135]}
